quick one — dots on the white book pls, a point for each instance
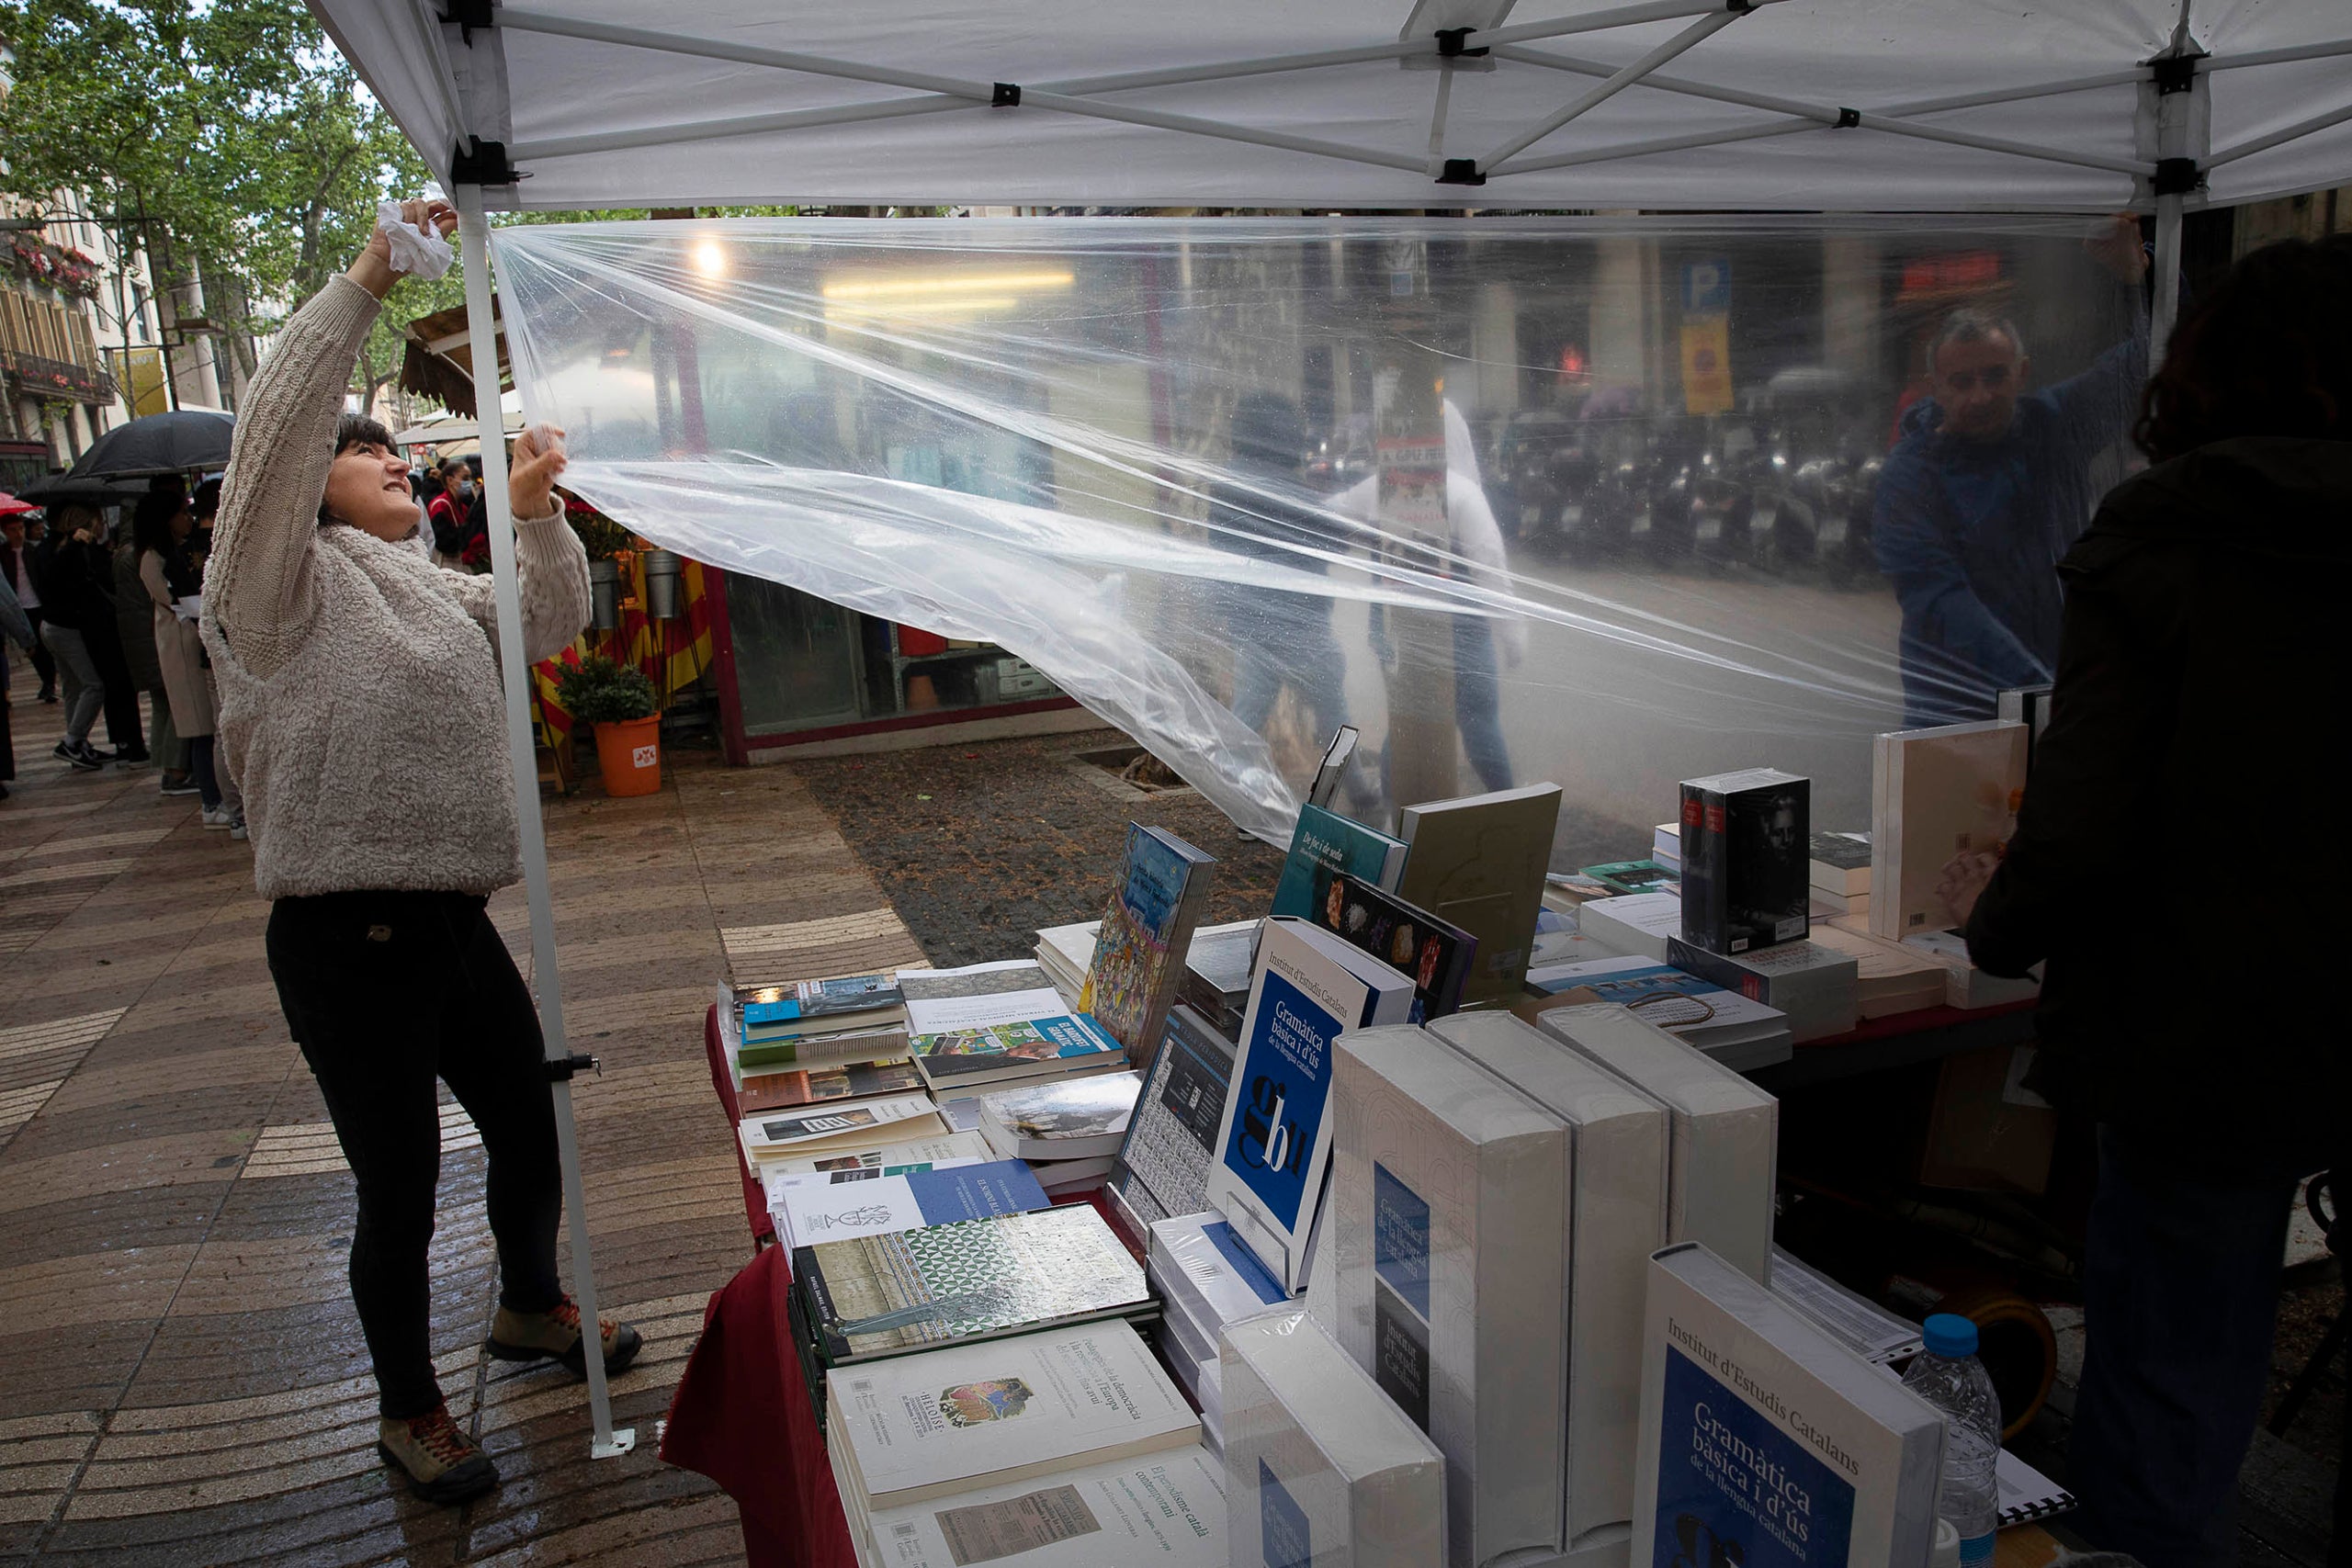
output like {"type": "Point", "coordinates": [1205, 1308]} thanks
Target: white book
{"type": "Point", "coordinates": [1449, 1234]}
{"type": "Point", "coordinates": [1201, 1269]}
{"type": "Point", "coordinates": [1863, 1326]}
{"type": "Point", "coordinates": [1167, 1510]}
{"type": "Point", "coordinates": [1818, 985]}
{"type": "Point", "coordinates": [1617, 1205]}
{"type": "Point", "coordinates": [1766, 1443]}
{"type": "Point", "coordinates": [1888, 979]}
{"type": "Point", "coordinates": [1320, 1468]}
{"type": "Point", "coordinates": [1273, 1143]}
{"type": "Point", "coordinates": [1723, 1137]}
{"type": "Point", "coordinates": [922, 1427]}
{"type": "Point", "coordinates": [854, 1124]}
{"type": "Point", "coordinates": [1634, 923]}
{"type": "Point", "coordinates": [953, 1148]}
{"type": "Point", "coordinates": [1935, 793]}
{"type": "Point", "coordinates": [1966, 986]}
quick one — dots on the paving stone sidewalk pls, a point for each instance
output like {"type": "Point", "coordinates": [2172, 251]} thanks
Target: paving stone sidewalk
{"type": "Point", "coordinates": [182, 1379]}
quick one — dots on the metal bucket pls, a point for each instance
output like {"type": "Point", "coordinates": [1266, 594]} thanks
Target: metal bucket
{"type": "Point", "coordinates": [661, 571]}
{"type": "Point", "coordinates": [605, 594]}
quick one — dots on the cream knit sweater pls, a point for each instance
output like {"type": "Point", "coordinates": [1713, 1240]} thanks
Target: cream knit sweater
{"type": "Point", "coordinates": [361, 709]}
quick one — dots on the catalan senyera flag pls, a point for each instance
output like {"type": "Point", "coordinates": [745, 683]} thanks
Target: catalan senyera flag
{"type": "Point", "coordinates": [641, 640]}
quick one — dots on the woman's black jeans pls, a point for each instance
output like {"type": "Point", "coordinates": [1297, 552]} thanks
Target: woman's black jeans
{"type": "Point", "coordinates": [385, 992]}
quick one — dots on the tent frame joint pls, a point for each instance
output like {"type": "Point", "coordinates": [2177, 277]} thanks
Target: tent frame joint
{"type": "Point", "coordinates": [2175, 73]}
{"type": "Point", "coordinates": [1847, 119]}
{"type": "Point", "coordinates": [478, 163]}
{"type": "Point", "coordinates": [1452, 43]}
{"type": "Point", "coordinates": [468, 15]}
{"type": "Point", "coordinates": [1741, 7]}
{"type": "Point", "coordinates": [1461, 172]}
{"type": "Point", "coordinates": [1006, 95]}
{"type": "Point", "coordinates": [2176, 177]}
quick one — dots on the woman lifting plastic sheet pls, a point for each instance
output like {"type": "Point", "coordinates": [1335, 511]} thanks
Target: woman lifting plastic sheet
{"type": "Point", "coordinates": [363, 715]}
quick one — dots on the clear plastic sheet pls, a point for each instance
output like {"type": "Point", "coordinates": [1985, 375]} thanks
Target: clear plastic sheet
{"type": "Point", "coordinates": [1597, 501]}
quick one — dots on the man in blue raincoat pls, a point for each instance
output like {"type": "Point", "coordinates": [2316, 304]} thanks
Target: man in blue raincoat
{"type": "Point", "coordinates": [1987, 489]}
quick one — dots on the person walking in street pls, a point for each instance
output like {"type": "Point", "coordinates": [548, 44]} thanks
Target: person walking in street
{"type": "Point", "coordinates": [1261, 513]}
{"type": "Point", "coordinates": [363, 714]}
{"type": "Point", "coordinates": [18, 627]}
{"type": "Point", "coordinates": [157, 523]}
{"type": "Point", "coordinates": [1987, 486]}
{"type": "Point", "coordinates": [18, 539]}
{"type": "Point", "coordinates": [2200, 618]}
{"type": "Point", "coordinates": [73, 606]}
{"type": "Point", "coordinates": [164, 575]}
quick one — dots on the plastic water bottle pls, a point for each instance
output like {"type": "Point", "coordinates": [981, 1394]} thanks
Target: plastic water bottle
{"type": "Point", "coordinates": [1949, 1376]}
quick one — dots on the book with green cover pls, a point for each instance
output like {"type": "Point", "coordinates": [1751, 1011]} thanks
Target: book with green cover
{"type": "Point", "coordinates": [885, 1295]}
{"type": "Point", "coordinates": [1147, 928]}
{"type": "Point", "coordinates": [1479, 862]}
{"type": "Point", "coordinates": [1327, 840]}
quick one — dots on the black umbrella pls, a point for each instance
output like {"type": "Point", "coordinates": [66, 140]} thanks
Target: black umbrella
{"type": "Point", "coordinates": [70, 489]}
{"type": "Point", "coordinates": [160, 444]}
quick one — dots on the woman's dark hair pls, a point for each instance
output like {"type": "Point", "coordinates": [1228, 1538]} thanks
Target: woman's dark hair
{"type": "Point", "coordinates": [2266, 352]}
{"type": "Point", "coordinates": [151, 524]}
{"type": "Point", "coordinates": [354, 430]}
{"type": "Point", "coordinates": [206, 502]}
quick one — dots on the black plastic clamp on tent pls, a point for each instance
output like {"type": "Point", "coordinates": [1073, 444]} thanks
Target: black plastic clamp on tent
{"type": "Point", "coordinates": [1461, 172]}
{"type": "Point", "coordinates": [1008, 97]}
{"type": "Point", "coordinates": [1848, 119]}
{"type": "Point", "coordinates": [468, 15]}
{"type": "Point", "coordinates": [1451, 41]}
{"type": "Point", "coordinates": [2174, 72]}
{"type": "Point", "coordinates": [479, 162]}
{"type": "Point", "coordinates": [2176, 177]}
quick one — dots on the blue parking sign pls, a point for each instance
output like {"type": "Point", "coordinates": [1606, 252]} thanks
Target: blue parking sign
{"type": "Point", "coordinates": [1706, 287]}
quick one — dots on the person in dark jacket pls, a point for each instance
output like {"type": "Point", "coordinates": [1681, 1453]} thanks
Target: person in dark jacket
{"type": "Point", "coordinates": [1260, 511]}
{"type": "Point", "coordinates": [2198, 697]}
{"type": "Point", "coordinates": [19, 542]}
{"type": "Point", "coordinates": [76, 615]}
{"type": "Point", "coordinates": [1983, 493]}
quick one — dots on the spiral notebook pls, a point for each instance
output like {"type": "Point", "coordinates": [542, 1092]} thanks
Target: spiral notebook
{"type": "Point", "coordinates": [2025, 1493]}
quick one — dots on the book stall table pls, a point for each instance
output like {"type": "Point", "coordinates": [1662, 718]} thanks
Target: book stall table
{"type": "Point", "coordinates": [1899, 1040]}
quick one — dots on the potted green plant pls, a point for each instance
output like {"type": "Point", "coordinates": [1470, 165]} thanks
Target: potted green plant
{"type": "Point", "coordinates": [618, 700]}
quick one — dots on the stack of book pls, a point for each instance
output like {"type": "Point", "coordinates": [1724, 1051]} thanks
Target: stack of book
{"type": "Point", "coordinates": [837, 1204]}
{"type": "Point", "coordinates": [1816, 984]}
{"type": "Point", "coordinates": [1069, 1130]}
{"type": "Point", "coordinates": [1319, 1465]}
{"type": "Point", "coordinates": [846, 1132]}
{"type": "Point", "coordinates": [1666, 845]}
{"type": "Point", "coordinates": [1216, 967]}
{"type": "Point", "coordinates": [1062, 1448]}
{"type": "Point", "coordinates": [1840, 870]}
{"type": "Point", "coordinates": [1638, 924]}
{"type": "Point", "coordinates": [987, 1025]}
{"type": "Point", "coordinates": [1205, 1279]}
{"type": "Point", "coordinates": [850, 1017]}
{"type": "Point", "coordinates": [1741, 1033]}
{"type": "Point", "coordinates": [1888, 978]}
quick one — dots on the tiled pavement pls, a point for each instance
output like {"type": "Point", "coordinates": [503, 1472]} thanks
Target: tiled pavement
{"type": "Point", "coordinates": [181, 1376]}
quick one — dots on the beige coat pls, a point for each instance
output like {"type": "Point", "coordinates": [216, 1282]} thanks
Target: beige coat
{"type": "Point", "coordinates": [179, 650]}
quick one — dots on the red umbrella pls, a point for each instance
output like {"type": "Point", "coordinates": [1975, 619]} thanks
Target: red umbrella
{"type": "Point", "coordinates": [10, 505]}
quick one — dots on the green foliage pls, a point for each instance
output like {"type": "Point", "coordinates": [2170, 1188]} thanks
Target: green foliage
{"type": "Point", "coordinates": [597, 691]}
{"type": "Point", "coordinates": [601, 537]}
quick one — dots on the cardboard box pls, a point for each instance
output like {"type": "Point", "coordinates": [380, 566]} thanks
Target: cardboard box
{"type": "Point", "coordinates": [1986, 1133]}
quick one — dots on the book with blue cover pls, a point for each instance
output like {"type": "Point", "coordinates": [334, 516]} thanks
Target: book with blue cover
{"type": "Point", "coordinates": [1147, 929]}
{"type": "Point", "coordinates": [814, 1209]}
{"type": "Point", "coordinates": [1327, 840]}
{"type": "Point", "coordinates": [1274, 1139]}
{"type": "Point", "coordinates": [1764, 1441]}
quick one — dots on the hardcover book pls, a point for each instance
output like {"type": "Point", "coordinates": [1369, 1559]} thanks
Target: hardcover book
{"type": "Point", "coordinates": [1814, 984]}
{"type": "Point", "coordinates": [1073, 1119]}
{"type": "Point", "coordinates": [1434, 955]}
{"type": "Point", "coordinates": [1217, 973]}
{"type": "Point", "coordinates": [1147, 929]}
{"type": "Point", "coordinates": [1005, 1037]}
{"type": "Point", "coordinates": [1722, 1131]}
{"type": "Point", "coordinates": [1739, 1033]}
{"type": "Point", "coordinates": [1448, 1236]}
{"type": "Point", "coordinates": [1840, 863]}
{"type": "Point", "coordinates": [1934, 794]}
{"type": "Point", "coordinates": [816, 1086]}
{"type": "Point", "coordinates": [1616, 1203]}
{"type": "Point", "coordinates": [1327, 840]}
{"type": "Point", "coordinates": [964, 1417]}
{"type": "Point", "coordinates": [809, 1209]}
{"type": "Point", "coordinates": [1479, 862]}
{"type": "Point", "coordinates": [1273, 1140]}
{"type": "Point", "coordinates": [1163, 1166]}
{"type": "Point", "coordinates": [859, 1043]}
{"type": "Point", "coordinates": [1320, 1468]}
{"type": "Point", "coordinates": [1766, 1443]}
{"type": "Point", "coordinates": [1165, 1510]}
{"type": "Point", "coordinates": [1206, 1276]}
{"type": "Point", "coordinates": [1333, 769]}
{"type": "Point", "coordinates": [1745, 871]}
{"type": "Point", "coordinates": [885, 1295]}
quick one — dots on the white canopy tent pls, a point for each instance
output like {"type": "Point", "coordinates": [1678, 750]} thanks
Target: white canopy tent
{"type": "Point", "coordinates": [1724, 105]}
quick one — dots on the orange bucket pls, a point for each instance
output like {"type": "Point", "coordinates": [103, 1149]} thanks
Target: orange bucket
{"type": "Point", "coordinates": [628, 753]}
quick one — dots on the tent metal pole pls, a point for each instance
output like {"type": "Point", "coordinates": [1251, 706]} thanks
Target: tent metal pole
{"type": "Point", "coordinates": [2264, 143]}
{"type": "Point", "coordinates": [2166, 303]}
{"type": "Point", "coordinates": [1625, 76]}
{"type": "Point", "coordinates": [444, 78]}
{"type": "Point", "coordinates": [737, 125]}
{"type": "Point", "coordinates": [1197, 126]}
{"type": "Point", "coordinates": [473, 236]}
{"type": "Point", "coordinates": [2327, 50]}
{"type": "Point", "coordinates": [521, 19]}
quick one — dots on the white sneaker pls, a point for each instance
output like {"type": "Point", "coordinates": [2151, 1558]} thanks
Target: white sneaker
{"type": "Point", "coordinates": [237, 828]}
{"type": "Point", "coordinates": [217, 817]}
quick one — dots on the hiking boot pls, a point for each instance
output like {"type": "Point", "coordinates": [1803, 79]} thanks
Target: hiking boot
{"type": "Point", "coordinates": [554, 1335]}
{"type": "Point", "coordinates": [443, 1464]}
